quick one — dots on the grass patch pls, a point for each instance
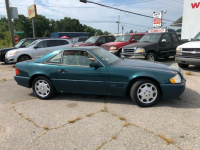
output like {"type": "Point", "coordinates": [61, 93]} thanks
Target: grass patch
{"type": "Point", "coordinates": [189, 73]}
{"type": "Point", "coordinates": [126, 124]}
{"type": "Point", "coordinates": [46, 127]}
{"type": "Point", "coordinates": [122, 118]}
{"type": "Point", "coordinates": [168, 140]}
{"type": "Point", "coordinates": [74, 120]}
{"type": "Point", "coordinates": [114, 137]}
{"type": "Point", "coordinates": [89, 115]}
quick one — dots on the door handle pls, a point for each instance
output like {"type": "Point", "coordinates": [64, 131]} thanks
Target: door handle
{"type": "Point", "coordinates": [62, 71]}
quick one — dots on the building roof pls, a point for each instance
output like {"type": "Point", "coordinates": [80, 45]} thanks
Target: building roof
{"type": "Point", "coordinates": [177, 23]}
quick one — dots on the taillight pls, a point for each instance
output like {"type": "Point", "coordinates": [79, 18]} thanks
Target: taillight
{"type": "Point", "coordinates": [72, 45]}
{"type": "Point", "coordinates": [17, 71]}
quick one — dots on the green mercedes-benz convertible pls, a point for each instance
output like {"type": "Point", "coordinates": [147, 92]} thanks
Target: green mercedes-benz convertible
{"type": "Point", "coordinates": [93, 70]}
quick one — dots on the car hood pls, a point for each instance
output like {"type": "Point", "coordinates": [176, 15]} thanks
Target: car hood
{"type": "Point", "coordinates": [127, 63]}
{"type": "Point", "coordinates": [115, 43]}
{"type": "Point", "coordinates": [7, 49]}
{"type": "Point", "coordinates": [142, 45]}
{"type": "Point", "coordinates": [193, 44]}
{"type": "Point", "coordinates": [83, 44]}
{"type": "Point", "coordinates": [21, 49]}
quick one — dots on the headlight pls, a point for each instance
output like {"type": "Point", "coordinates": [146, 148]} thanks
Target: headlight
{"type": "Point", "coordinates": [12, 53]}
{"type": "Point", "coordinates": [122, 49]}
{"type": "Point", "coordinates": [176, 79]}
{"type": "Point", "coordinates": [179, 49]}
{"type": "Point", "coordinates": [113, 47]}
{"type": "Point", "coordinates": [140, 50]}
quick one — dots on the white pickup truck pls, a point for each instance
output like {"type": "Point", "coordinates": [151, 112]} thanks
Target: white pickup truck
{"type": "Point", "coordinates": [189, 53]}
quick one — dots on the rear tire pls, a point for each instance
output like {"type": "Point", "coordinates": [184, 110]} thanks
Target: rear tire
{"type": "Point", "coordinates": [151, 56]}
{"type": "Point", "coordinates": [183, 65]}
{"type": "Point", "coordinates": [23, 58]}
{"type": "Point", "coordinates": [43, 88]}
{"type": "Point", "coordinates": [145, 93]}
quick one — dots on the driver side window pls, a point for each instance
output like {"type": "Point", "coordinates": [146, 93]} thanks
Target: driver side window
{"type": "Point", "coordinates": [77, 58]}
{"type": "Point", "coordinates": [166, 37]}
{"type": "Point", "coordinates": [42, 44]}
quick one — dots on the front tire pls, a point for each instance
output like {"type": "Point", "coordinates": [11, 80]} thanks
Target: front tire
{"type": "Point", "coordinates": [151, 56]}
{"type": "Point", "coordinates": [183, 65]}
{"type": "Point", "coordinates": [23, 58]}
{"type": "Point", "coordinates": [145, 93]}
{"type": "Point", "coordinates": [4, 60]}
{"type": "Point", "coordinates": [43, 88]}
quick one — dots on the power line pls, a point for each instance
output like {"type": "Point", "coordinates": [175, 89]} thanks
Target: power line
{"type": "Point", "coordinates": [125, 11]}
{"type": "Point", "coordinates": [167, 5]}
{"type": "Point", "coordinates": [135, 3]}
{"type": "Point", "coordinates": [114, 22]}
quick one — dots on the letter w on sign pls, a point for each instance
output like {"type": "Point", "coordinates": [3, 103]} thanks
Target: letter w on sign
{"type": "Point", "coordinates": [195, 5]}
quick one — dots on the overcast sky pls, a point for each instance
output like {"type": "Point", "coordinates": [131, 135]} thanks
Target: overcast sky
{"type": "Point", "coordinates": [58, 9]}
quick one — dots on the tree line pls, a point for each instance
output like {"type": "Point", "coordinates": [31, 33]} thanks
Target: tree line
{"type": "Point", "coordinates": [43, 27]}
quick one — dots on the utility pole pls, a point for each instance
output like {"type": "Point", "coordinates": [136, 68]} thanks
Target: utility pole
{"type": "Point", "coordinates": [10, 22]}
{"type": "Point", "coordinates": [118, 23]}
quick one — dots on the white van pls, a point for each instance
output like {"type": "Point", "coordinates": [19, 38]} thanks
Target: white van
{"type": "Point", "coordinates": [36, 49]}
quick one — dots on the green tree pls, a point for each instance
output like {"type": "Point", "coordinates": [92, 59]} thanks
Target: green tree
{"type": "Point", "coordinates": [131, 31]}
{"type": "Point", "coordinates": [47, 34]}
{"type": "Point", "coordinates": [106, 33]}
{"type": "Point", "coordinates": [179, 30]}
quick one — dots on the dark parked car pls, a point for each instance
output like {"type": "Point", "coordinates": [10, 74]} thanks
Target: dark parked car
{"type": "Point", "coordinates": [96, 40]}
{"type": "Point", "coordinates": [23, 43]}
{"type": "Point", "coordinates": [153, 46]}
{"type": "Point", "coordinates": [93, 70]}
{"type": "Point", "coordinates": [123, 40]}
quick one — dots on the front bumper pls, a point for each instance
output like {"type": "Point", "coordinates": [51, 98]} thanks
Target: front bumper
{"type": "Point", "coordinates": [113, 52]}
{"type": "Point", "coordinates": [189, 61]}
{"type": "Point", "coordinates": [11, 59]}
{"type": "Point", "coordinates": [133, 55]}
{"type": "Point", "coordinates": [23, 81]}
{"type": "Point", "coordinates": [173, 91]}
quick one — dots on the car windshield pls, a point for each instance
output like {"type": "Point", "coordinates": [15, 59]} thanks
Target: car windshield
{"type": "Point", "coordinates": [105, 55]}
{"type": "Point", "coordinates": [33, 43]}
{"type": "Point", "coordinates": [20, 43]}
{"type": "Point", "coordinates": [197, 37]}
{"type": "Point", "coordinates": [92, 39]}
{"type": "Point", "coordinates": [123, 38]}
{"type": "Point", "coordinates": [153, 38]}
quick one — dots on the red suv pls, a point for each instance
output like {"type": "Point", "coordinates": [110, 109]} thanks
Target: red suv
{"type": "Point", "coordinates": [121, 41]}
{"type": "Point", "coordinates": [96, 41]}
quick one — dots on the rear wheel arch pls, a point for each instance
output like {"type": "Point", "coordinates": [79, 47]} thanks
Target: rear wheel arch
{"type": "Point", "coordinates": [35, 76]}
{"type": "Point", "coordinates": [134, 80]}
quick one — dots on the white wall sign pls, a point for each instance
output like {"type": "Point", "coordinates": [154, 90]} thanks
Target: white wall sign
{"type": "Point", "coordinates": [191, 16]}
{"type": "Point", "coordinates": [157, 19]}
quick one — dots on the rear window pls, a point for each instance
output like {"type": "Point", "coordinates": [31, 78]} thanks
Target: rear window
{"type": "Point", "coordinates": [110, 39]}
{"type": "Point", "coordinates": [62, 42]}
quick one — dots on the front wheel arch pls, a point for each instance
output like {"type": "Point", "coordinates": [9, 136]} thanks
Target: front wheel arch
{"type": "Point", "coordinates": [134, 80]}
{"type": "Point", "coordinates": [24, 55]}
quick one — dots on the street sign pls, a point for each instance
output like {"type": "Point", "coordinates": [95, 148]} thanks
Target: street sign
{"type": "Point", "coordinates": [16, 38]}
{"type": "Point", "coordinates": [157, 19]}
{"type": "Point", "coordinates": [14, 12]}
{"type": "Point", "coordinates": [19, 32]}
{"type": "Point", "coordinates": [32, 11]}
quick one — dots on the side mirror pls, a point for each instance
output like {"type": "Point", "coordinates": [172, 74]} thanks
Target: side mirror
{"type": "Point", "coordinates": [133, 40]}
{"type": "Point", "coordinates": [95, 64]}
{"type": "Point", "coordinates": [23, 46]}
{"type": "Point", "coordinates": [163, 41]}
{"type": "Point", "coordinates": [36, 46]}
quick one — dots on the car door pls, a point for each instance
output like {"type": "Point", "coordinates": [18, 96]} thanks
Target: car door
{"type": "Point", "coordinates": [165, 47]}
{"type": "Point", "coordinates": [76, 76]}
{"type": "Point", "coordinates": [40, 49]}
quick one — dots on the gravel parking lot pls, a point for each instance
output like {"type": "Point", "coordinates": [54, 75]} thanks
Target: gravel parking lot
{"type": "Point", "coordinates": [89, 122]}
